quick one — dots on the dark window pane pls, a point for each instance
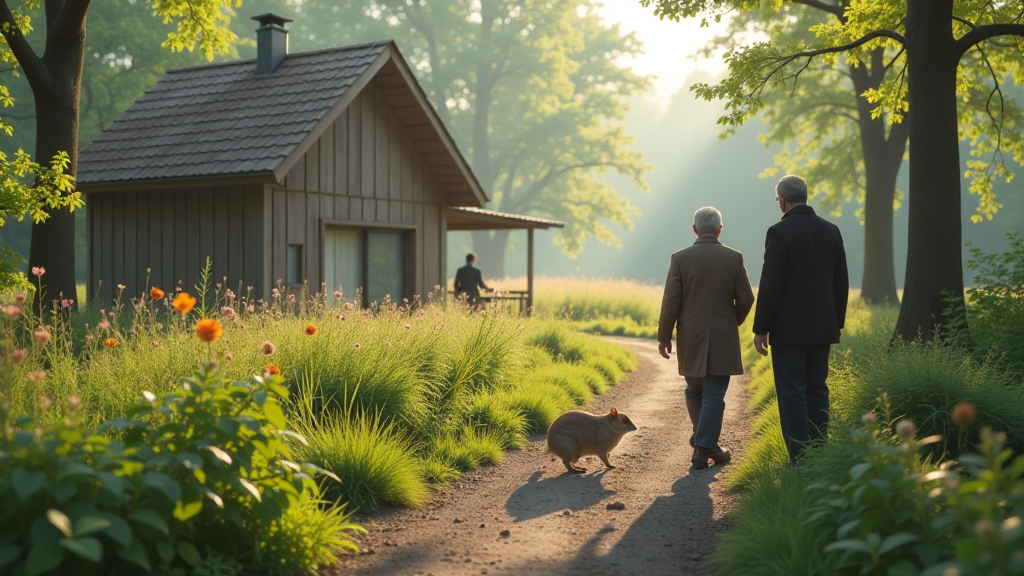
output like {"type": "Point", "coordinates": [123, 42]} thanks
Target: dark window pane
{"type": "Point", "coordinates": [293, 275]}
{"type": "Point", "coordinates": [385, 266]}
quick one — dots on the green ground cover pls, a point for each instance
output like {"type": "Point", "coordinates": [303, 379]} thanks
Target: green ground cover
{"type": "Point", "coordinates": [384, 405]}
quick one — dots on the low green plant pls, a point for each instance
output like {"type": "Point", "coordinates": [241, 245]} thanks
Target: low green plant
{"type": "Point", "coordinates": [995, 309]}
{"type": "Point", "coordinates": [78, 501]}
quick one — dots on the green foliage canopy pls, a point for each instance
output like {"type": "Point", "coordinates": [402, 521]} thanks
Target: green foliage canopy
{"type": "Point", "coordinates": [815, 118]}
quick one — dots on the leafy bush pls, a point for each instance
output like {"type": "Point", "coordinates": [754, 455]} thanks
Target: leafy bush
{"type": "Point", "coordinates": [213, 451]}
{"type": "Point", "coordinates": [996, 301]}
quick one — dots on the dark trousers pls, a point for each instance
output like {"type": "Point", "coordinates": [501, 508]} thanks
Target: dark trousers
{"type": "Point", "coordinates": [800, 373]}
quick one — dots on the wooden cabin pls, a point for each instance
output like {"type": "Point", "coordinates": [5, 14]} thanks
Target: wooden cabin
{"type": "Point", "coordinates": [329, 167]}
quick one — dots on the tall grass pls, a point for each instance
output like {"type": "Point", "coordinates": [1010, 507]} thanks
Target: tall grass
{"type": "Point", "coordinates": [394, 400]}
{"type": "Point", "coordinates": [922, 382]}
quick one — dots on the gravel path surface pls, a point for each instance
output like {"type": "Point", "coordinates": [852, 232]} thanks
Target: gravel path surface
{"type": "Point", "coordinates": [529, 516]}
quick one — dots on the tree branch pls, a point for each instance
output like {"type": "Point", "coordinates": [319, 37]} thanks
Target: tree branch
{"type": "Point", "coordinates": [35, 70]}
{"type": "Point", "coordinates": [982, 33]}
{"type": "Point", "coordinates": [69, 21]}
{"type": "Point", "coordinates": [779, 63]}
{"type": "Point", "coordinates": [833, 9]}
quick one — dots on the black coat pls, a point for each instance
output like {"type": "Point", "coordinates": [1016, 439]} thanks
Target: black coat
{"type": "Point", "coordinates": [804, 281]}
{"type": "Point", "coordinates": [468, 281]}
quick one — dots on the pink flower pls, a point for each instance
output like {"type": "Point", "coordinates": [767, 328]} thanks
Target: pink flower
{"type": "Point", "coordinates": [275, 293]}
{"type": "Point", "coordinates": [229, 294]}
{"type": "Point", "coordinates": [430, 295]}
{"type": "Point", "coordinates": [347, 306]}
{"type": "Point", "coordinates": [338, 295]}
{"type": "Point", "coordinates": [42, 336]}
{"type": "Point", "coordinates": [36, 376]}
{"type": "Point", "coordinates": [19, 355]}
{"type": "Point", "coordinates": [291, 297]}
{"type": "Point", "coordinates": [74, 401]}
{"type": "Point", "coordinates": [228, 312]}
{"type": "Point", "coordinates": [47, 401]}
{"type": "Point", "coordinates": [11, 311]}
{"type": "Point", "coordinates": [358, 346]}
{"type": "Point", "coordinates": [121, 287]}
{"type": "Point", "coordinates": [341, 317]}
{"type": "Point", "coordinates": [38, 271]}
{"type": "Point", "coordinates": [20, 297]}
{"type": "Point", "coordinates": [268, 349]}
{"type": "Point", "coordinates": [65, 303]}
{"type": "Point", "coordinates": [157, 344]}
{"type": "Point", "coordinates": [103, 325]}
{"type": "Point", "coordinates": [88, 337]}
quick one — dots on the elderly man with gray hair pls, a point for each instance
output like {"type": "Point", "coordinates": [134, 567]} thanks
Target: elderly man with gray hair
{"type": "Point", "coordinates": [801, 308]}
{"type": "Point", "coordinates": [707, 296]}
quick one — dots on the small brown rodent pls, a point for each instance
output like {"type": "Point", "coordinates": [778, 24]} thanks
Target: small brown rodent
{"type": "Point", "coordinates": [576, 434]}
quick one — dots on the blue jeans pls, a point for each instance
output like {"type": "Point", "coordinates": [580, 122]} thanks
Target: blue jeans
{"type": "Point", "coordinates": [800, 374]}
{"type": "Point", "coordinates": [709, 394]}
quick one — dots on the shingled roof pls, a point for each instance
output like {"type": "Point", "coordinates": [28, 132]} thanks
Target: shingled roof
{"type": "Point", "coordinates": [222, 121]}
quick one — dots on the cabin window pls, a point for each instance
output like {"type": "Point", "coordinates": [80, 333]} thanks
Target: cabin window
{"type": "Point", "coordinates": [370, 262]}
{"type": "Point", "coordinates": [293, 275]}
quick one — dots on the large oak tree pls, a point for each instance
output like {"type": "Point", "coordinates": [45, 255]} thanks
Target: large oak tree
{"type": "Point", "coordinates": [938, 38]}
{"type": "Point", "coordinates": [55, 77]}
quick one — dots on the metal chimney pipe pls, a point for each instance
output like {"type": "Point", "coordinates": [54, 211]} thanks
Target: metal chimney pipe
{"type": "Point", "coordinates": [271, 42]}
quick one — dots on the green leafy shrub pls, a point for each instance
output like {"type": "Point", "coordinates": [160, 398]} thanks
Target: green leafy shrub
{"type": "Point", "coordinates": [897, 515]}
{"type": "Point", "coordinates": [77, 501]}
{"type": "Point", "coordinates": [995, 308]}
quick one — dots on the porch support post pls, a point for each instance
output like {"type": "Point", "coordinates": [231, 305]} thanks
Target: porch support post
{"type": "Point", "coordinates": [529, 271]}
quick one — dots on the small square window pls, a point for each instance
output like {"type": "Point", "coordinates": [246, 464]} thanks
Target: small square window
{"type": "Point", "coordinates": [293, 276]}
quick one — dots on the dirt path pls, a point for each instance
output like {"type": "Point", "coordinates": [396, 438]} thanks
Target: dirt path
{"type": "Point", "coordinates": [559, 523]}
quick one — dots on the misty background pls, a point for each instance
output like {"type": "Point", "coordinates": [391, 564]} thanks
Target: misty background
{"type": "Point", "coordinates": [694, 168]}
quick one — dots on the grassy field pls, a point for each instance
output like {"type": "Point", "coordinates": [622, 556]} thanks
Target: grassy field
{"type": "Point", "coordinates": [393, 402]}
{"type": "Point", "coordinates": [596, 305]}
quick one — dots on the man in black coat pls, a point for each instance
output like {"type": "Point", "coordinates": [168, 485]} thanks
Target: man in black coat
{"type": "Point", "coordinates": [469, 280]}
{"type": "Point", "coordinates": [801, 308]}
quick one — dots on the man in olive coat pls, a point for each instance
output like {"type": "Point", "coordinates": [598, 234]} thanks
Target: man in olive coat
{"type": "Point", "coordinates": [707, 296]}
{"type": "Point", "coordinates": [801, 309]}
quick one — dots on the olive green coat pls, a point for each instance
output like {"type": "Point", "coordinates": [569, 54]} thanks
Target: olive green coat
{"type": "Point", "coordinates": [707, 296]}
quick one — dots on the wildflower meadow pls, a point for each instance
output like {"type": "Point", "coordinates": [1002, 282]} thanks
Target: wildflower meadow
{"type": "Point", "coordinates": [204, 431]}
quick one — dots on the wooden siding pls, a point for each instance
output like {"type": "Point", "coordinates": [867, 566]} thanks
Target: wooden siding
{"type": "Point", "coordinates": [171, 232]}
{"type": "Point", "coordinates": [364, 171]}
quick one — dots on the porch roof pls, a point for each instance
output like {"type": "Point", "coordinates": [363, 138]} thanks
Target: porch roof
{"type": "Point", "coordinates": [461, 218]}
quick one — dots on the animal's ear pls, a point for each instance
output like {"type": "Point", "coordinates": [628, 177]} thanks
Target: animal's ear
{"type": "Point", "coordinates": [613, 412]}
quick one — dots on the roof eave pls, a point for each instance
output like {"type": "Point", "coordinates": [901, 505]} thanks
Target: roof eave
{"type": "Point", "coordinates": [261, 177]}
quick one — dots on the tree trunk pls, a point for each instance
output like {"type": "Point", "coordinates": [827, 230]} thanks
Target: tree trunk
{"type": "Point", "coordinates": [491, 249]}
{"type": "Point", "coordinates": [57, 103]}
{"type": "Point", "coordinates": [934, 273]}
{"type": "Point", "coordinates": [882, 159]}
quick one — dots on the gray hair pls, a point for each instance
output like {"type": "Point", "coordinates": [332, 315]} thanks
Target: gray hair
{"type": "Point", "coordinates": [707, 220]}
{"type": "Point", "coordinates": [793, 189]}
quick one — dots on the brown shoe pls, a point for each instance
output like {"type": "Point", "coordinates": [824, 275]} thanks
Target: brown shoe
{"type": "Point", "coordinates": [700, 457]}
{"type": "Point", "coordinates": [721, 455]}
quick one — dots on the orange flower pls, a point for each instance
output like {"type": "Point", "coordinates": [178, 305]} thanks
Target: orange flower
{"type": "Point", "coordinates": [184, 303]}
{"type": "Point", "coordinates": [110, 342]}
{"type": "Point", "coordinates": [310, 329]}
{"type": "Point", "coordinates": [208, 329]}
{"type": "Point", "coordinates": [964, 414]}
{"type": "Point", "coordinates": [156, 293]}
{"type": "Point", "coordinates": [272, 370]}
